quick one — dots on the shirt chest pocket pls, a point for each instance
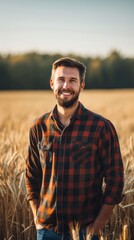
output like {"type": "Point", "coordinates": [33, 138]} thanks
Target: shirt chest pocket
{"type": "Point", "coordinates": [83, 152]}
{"type": "Point", "coordinates": [45, 151]}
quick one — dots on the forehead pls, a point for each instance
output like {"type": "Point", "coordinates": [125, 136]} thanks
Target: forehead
{"type": "Point", "coordinates": [68, 72]}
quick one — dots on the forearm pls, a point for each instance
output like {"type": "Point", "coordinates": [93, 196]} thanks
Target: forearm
{"type": "Point", "coordinates": [97, 226]}
{"type": "Point", "coordinates": [34, 203]}
{"type": "Point", "coordinates": [103, 216]}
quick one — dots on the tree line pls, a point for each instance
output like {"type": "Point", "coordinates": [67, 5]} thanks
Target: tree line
{"type": "Point", "coordinates": [31, 71]}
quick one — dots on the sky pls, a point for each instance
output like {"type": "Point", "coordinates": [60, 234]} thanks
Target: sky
{"type": "Point", "coordinates": [82, 27]}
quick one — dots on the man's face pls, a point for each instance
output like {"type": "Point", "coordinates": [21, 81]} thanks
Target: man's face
{"type": "Point", "coordinates": [66, 86]}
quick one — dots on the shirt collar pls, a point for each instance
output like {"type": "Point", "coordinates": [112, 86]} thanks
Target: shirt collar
{"type": "Point", "coordinates": [78, 114]}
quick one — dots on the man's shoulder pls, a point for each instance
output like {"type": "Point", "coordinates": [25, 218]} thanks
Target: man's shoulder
{"type": "Point", "coordinates": [100, 124]}
{"type": "Point", "coordinates": [100, 121]}
{"type": "Point", "coordinates": [40, 119]}
{"type": "Point", "coordinates": [96, 116]}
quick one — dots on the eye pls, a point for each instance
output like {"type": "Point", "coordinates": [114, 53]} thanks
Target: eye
{"type": "Point", "coordinates": [73, 80]}
{"type": "Point", "coordinates": [60, 79]}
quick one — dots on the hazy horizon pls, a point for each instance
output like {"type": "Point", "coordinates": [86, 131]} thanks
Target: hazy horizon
{"type": "Point", "coordinates": [80, 27]}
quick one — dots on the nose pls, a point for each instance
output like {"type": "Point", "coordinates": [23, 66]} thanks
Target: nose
{"type": "Point", "coordinates": [65, 84]}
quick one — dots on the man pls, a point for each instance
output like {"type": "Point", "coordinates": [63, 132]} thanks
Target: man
{"type": "Point", "coordinates": [72, 151]}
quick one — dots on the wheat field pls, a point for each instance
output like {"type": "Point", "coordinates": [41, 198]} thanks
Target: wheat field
{"type": "Point", "coordinates": [17, 111]}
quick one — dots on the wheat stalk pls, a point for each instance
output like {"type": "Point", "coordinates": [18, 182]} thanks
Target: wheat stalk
{"type": "Point", "coordinates": [125, 233]}
{"type": "Point", "coordinates": [74, 228]}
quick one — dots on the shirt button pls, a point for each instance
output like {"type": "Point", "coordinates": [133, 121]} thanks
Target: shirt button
{"type": "Point", "coordinates": [55, 178]}
{"type": "Point", "coordinates": [60, 165]}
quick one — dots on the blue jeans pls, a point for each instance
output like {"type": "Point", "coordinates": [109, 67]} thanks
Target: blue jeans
{"type": "Point", "coordinates": [44, 234]}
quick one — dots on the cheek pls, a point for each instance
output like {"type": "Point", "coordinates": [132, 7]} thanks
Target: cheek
{"type": "Point", "coordinates": [56, 87]}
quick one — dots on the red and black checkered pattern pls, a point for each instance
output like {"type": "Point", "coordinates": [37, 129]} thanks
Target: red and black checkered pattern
{"type": "Point", "coordinates": [66, 167]}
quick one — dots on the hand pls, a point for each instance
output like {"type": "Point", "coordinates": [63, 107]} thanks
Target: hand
{"type": "Point", "coordinates": [93, 229]}
{"type": "Point", "coordinates": [37, 225]}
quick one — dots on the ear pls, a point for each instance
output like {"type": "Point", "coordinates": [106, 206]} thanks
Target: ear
{"type": "Point", "coordinates": [82, 85]}
{"type": "Point", "coordinates": [51, 83]}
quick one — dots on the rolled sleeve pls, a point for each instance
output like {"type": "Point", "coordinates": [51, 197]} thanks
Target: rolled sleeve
{"type": "Point", "coordinates": [33, 168]}
{"type": "Point", "coordinates": [112, 165]}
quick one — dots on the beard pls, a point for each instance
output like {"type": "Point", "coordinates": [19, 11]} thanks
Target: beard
{"type": "Point", "coordinates": [67, 103]}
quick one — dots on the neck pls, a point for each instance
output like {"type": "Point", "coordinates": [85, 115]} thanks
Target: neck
{"type": "Point", "coordinates": [65, 114]}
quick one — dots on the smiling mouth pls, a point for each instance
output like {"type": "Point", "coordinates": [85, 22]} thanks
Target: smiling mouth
{"type": "Point", "coordinates": [66, 93]}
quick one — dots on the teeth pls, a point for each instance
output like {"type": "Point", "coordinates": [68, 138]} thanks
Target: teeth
{"type": "Point", "coordinates": [66, 93]}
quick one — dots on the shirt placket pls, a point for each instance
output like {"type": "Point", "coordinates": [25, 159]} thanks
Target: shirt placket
{"type": "Point", "coordinates": [60, 174]}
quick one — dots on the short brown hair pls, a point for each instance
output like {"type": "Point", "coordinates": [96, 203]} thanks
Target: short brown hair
{"type": "Point", "coordinates": [70, 62]}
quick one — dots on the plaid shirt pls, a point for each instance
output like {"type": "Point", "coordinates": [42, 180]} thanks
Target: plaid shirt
{"type": "Point", "coordinates": [66, 167]}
